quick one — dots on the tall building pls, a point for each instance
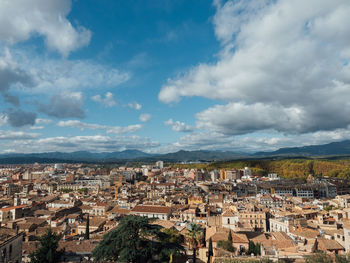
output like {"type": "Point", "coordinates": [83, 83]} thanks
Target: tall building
{"type": "Point", "coordinates": [160, 164]}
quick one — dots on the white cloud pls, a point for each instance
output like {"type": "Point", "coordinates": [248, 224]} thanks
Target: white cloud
{"type": "Point", "coordinates": [284, 66]}
{"type": "Point", "coordinates": [39, 122]}
{"type": "Point", "coordinates": [36, 127]}
{"type": "Point", "coordinates": [11, 75]}
{"type": "Point", "coordinates": [22, 19]}
{"type": "Point", "coordinates": [145, 117]}
{"type": "Point", "coordinates": [108, 100]}
{"type": "Point", "coordinates": [93, 143]}
{"type": "Point", "coordinates": [135, 106]}
{"type": "Point", "coordinates": [40, 75]}
{"type": "Point", "coordinates": [42, 121]}
{"type": "Point", "coordinates": [19, 118]}
{"type": "Point", "coordinates": [17, 135]}
{"type": "Point", "coordinates": [3, 119]}
{"type": "Point", "coordinates": [64, 105]}
{"type": "Point", "coordinates": [253, 142]}
{"type": "Point", "coordinates": [91, 126]}
{"type": "Point", "coordinates": [179, 126]}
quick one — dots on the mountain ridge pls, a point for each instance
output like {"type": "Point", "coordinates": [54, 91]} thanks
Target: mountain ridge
{"type": "Point", "coordinates": [340, 148]}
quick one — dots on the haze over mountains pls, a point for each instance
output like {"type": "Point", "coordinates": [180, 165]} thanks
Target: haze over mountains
{"type": "Point", "coordinates": [331, 149]}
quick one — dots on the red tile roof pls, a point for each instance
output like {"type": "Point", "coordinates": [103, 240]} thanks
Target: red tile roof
{"type": "Point", "coordinates": [151, 209]}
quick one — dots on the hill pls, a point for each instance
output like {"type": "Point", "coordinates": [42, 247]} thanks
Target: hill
{"type": "Point", "coordinates": [334, 148]}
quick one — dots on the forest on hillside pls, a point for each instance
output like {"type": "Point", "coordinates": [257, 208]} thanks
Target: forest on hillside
{"type": "Point", "coordinates": [288, 168]}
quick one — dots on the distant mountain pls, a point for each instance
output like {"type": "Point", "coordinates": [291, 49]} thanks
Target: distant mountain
{"type": "Point", "coordinates": [198, 156]}
{"type": "Point", "coordinates": [79, 156]}
{"type": "Point", "coordinates": [334, 148]}
{"type": "Point", "coordinates": [128, 155]}
{"type": "Point", "coordinates": [331, 149]}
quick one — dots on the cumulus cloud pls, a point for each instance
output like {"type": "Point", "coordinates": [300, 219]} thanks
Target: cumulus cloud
{"type": "Point", "coordinates": [284, 66]}
{"type": "Point", "coordinates": [11, 75]}
{"type": "Point", "coordinates": [19, 118]}
{"type": "Point", "coordinates": [42, 121]}
{"type": "Point", "coordinates": [135, 106]}
{"type": "Point", "coordinates": [3, 119]}
{"type": "Point", "coordinates": [33, 74]}
{"type": "Point", "coordinates": [93, 143]}
{"type": "Point", "coordinates": [145, 117]}
{"type": "Point", "coordinates": [22, 19]}
{"type": "Point", "coordinates": [92, 126]}
{"type": "Point", "coordinates": [179, 126]}
{"type": "Point", "coordinates": [252, 142]}
{"type": "Point", "coordinates": [64, 105]}
{"type": "Point", "coordinates": [17, 135]}
{"type": "Point", "coordinates": [108, 99]}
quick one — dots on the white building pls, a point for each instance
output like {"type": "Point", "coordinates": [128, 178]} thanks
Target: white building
{"type": "Point", "coordinates": [160, 164]}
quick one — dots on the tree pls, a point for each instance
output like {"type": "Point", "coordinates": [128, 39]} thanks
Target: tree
{"type": "Point", "coordinates": [87, 230]}
{"type": "Point", "coordinates": [251, 248]}
{"type": "Point", "coordinates": [225, 244]}
{"type": "Point", "coordinates": [171, 236]}
{"type": "Point", "coordinates": [135, 240]}
{"type": "Point", "coordinates": [229, 238]}
{"type": "Point", "coordinates": [257, 249]}
{"type": "Point", "coordinates": [194, 236]}
{"type": "Point", "coordinates": [84, 190]}
{"type": "Point", "coordinates": [342, 258]}
{"type": "Point", "coordinates": [48, 251]}
{"type": "Point", "coordinates": [254, 248]}
{"type": "Point", "coordinates": [320, 257]}
{"type": "Point", "coordinates": [210, 250]}
{"type": "Point", "coordinates": [170, 240]}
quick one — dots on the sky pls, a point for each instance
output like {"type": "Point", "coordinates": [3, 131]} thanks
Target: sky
{"type": "Point", "coordinates": [164, 75]}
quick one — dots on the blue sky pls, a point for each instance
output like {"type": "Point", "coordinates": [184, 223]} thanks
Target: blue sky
{"type": "Point", "coordinates": [161, 76]}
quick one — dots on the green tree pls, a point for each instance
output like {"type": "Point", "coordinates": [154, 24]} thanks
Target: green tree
{"type": "Point", "coordinates": [227, 245]}
{"type": "Point", "coordinates": [254, 248]}
{"type": "Point", "coordinates": [251, 248]}
{"type": "Point", "coordinates": [170, 240]}
{"type": "Point", "coordinates": [320, 257]}
{"type": "Point", "coordinates": [135, 240]}
{"type": "Point", "coordinates": [210, 250]}
{"type": "Point", "coordinates": [172, 236]}
{"type": "Point", "coordinates": [342, 258]}
{"type": "Point", "coordinates": [257, 249]}
{"type": "Point", "coordinates": [48, 251]}
{"type": "Point", "coordinates": [194, 236]}
{"type": "Point", "coordinates": [87, 230]}
{"type": "Point", "coordinates": [229, 238]}
{"type": "Point", "coordinates": [84, 190]}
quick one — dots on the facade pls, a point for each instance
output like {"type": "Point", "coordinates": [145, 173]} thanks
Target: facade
{"type": "Point", "coordinates": [10, 246]}
{"type": "Point", "coordinates": [160, 212]}
{"type": "Point", "coordinates": [229, 220]}
{"type": "Point", "coordinates": [346, 228]}
{"type": "Point", "coordinates": [316, 189]}
{"type": "Point", "coordinates": [11, 213]}
{"type": "Point", "coordinates": [252, 220]}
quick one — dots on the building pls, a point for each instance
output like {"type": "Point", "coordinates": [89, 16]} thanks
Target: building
{"type": "Point", "coordinates": [252, 219]}
{"type": "Point", "coordinates": [10, 245]}
{"type": "Point", "coordinates": [160, 212]}
{"type": "Point", "coordinates": [346, 227]}
{"type": "Point", "coordinates": [160, 164]}
{"type": "Point", "coordinates": [229, 220]}
{"type": "Point", "coordinates": [11, 213]}
{"type": "Point", "coordinates": [285, 224]}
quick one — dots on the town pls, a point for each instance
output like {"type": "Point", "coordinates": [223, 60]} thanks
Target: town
{"type": "Point", "coordinates": [262, 216]}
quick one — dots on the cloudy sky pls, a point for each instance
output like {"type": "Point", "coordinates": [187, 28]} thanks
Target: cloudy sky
{"type": "Point", "coordinates": [164, 75]}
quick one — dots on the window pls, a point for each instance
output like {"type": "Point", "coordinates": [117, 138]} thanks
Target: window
{"type": "Point", "coordinates": [228, 221]}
